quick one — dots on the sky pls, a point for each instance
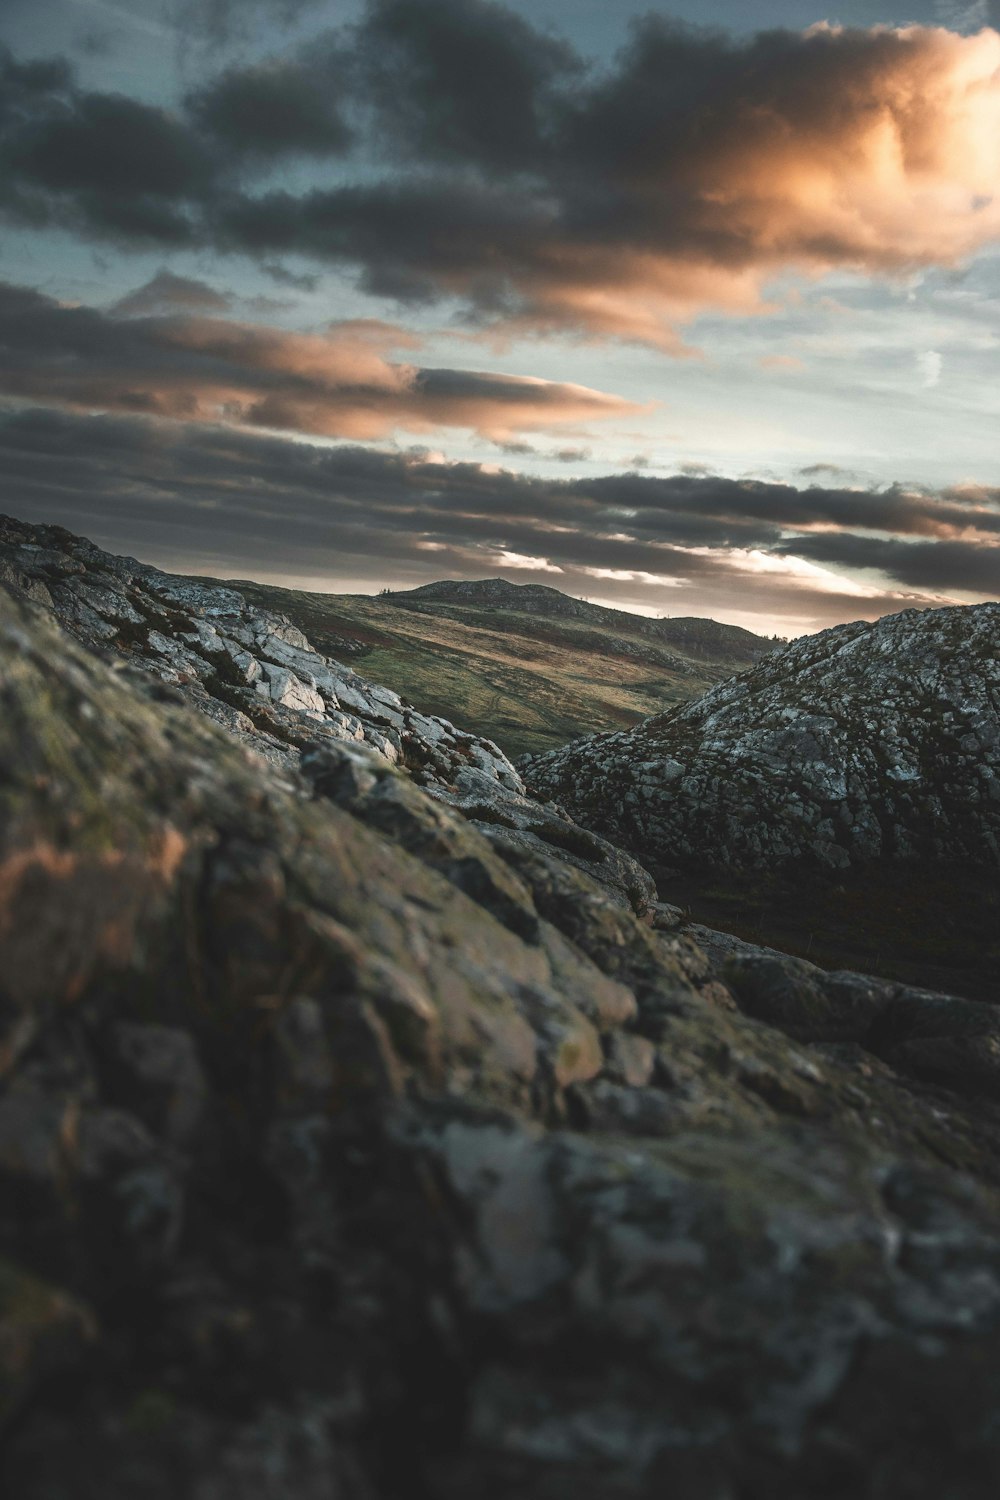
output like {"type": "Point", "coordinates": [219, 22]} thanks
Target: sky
{"type": "Point", "coordinates": [693, 310]}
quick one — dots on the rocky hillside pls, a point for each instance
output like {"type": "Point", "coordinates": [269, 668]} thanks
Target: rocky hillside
{"type": "Point", "coordinates": [865, 742]}
{"type": "Point", "coordinates": [250, 669]}
{"type": "Point", "coordinates": [525, 665]}
{"type": "Point", "coordinates": [256, 674]}
{"type": "Point", "coordinates": [357, 1144]}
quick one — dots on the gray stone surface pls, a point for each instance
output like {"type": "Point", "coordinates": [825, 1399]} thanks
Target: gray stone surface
{"type": "Point", "coordinates": [256, 674]}
{"type": "Point", "coordinates": [863, 742]}
{"type": "Point", "coordinates": [227, 655]}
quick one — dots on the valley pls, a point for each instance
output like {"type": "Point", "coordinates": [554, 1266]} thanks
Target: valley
{"type": "Point", "coordinates": [526, 666]}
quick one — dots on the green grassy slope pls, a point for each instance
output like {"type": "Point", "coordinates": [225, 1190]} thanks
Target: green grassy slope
{"type": "Point", "coordinates": [529, 680]}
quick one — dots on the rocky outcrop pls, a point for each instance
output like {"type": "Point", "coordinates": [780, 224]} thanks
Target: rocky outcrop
{"type": "Point", "coordinates": [863, 742]}
{"type": "Point", "coordinates": [354, 1144]}
{"type": "Point", "coordinates": [257, 675]}
{"type": "Point", "coordinates": [248, 668]}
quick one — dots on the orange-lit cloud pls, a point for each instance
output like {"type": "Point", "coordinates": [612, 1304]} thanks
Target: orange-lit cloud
{"type": "Point", "coordinates": [617, 202]}
{"type": "Point", "coordinates": [338, 384]}
{"type": "Point", "coordinates": [787, 362]}
{"type": "Point", "coordinates": [876, 151]}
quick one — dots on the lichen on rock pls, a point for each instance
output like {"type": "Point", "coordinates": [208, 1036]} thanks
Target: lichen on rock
{"type": "Point", "coordinates": [864, 742]}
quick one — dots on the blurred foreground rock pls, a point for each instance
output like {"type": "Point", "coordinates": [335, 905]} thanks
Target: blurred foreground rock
{"type": "Point", "coordinates": [357, 1144]}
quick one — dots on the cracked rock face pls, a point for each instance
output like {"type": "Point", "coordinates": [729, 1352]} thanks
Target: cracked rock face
{"type": "Point", "coordinates": [258, 676]}
{"type": "Point", "coordinates": [863, 742]}
{"type": "Point", "coordinates": [244, 666]}
{"type": "Point", "coordinates": [356, 1144]}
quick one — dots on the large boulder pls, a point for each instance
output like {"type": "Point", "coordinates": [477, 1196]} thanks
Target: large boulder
{"type": "Point", "coordinates": [866, 742]}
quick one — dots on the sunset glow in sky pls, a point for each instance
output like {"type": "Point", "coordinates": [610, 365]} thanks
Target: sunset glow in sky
{"type": "Point", "coordinates": [693, 310]}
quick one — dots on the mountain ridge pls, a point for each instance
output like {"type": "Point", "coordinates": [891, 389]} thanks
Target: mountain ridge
{"type": "Point", "coordinates": [691, 630]}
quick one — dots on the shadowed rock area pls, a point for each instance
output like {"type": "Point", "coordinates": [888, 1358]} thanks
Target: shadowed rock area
{"type": "Point", "coordinates": [361, 1139]}
{"type": "Point", "coordinates": [865, 742]}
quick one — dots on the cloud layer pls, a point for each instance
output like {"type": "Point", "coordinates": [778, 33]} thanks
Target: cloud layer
{"type": "Point", "coordinates": [198, 367]}
{"type": "Point", "coordinates": [230, 501]}
{"type": "Point", "coordinates": [541, 194]}
{"type": "Point", "coordinates": [453, 156]}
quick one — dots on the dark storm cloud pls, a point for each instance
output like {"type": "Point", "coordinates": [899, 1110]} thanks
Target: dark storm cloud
{"type": "Point", "coordinates": [194, 366]}
{"type": "Point", "coordinates": [755, 512]}
{"type": "Point", "coordinates": [105, 145]}
{"type": "Point", "coordinates": [464, 81]}
{"type": "Point", "coordinates": [620, 202]}
{"type": "Point", "coordinates": [102, 163]}
{"type": "Point", "coordinates": [25, 84]}
{"type": "Point", "coordinates": [939, 565]}
{"type": "Point", "coordinates": [412, 239]}
{"type": "Point", "coordinates": [239, 500]}
{"type": "Point", "coordinates": [275, 109]}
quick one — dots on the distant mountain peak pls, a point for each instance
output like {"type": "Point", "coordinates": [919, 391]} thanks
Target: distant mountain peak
{"type": "Point", "coordinates": [486, 590]}
{"type": "Point", "coordinates": [692, 633]}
